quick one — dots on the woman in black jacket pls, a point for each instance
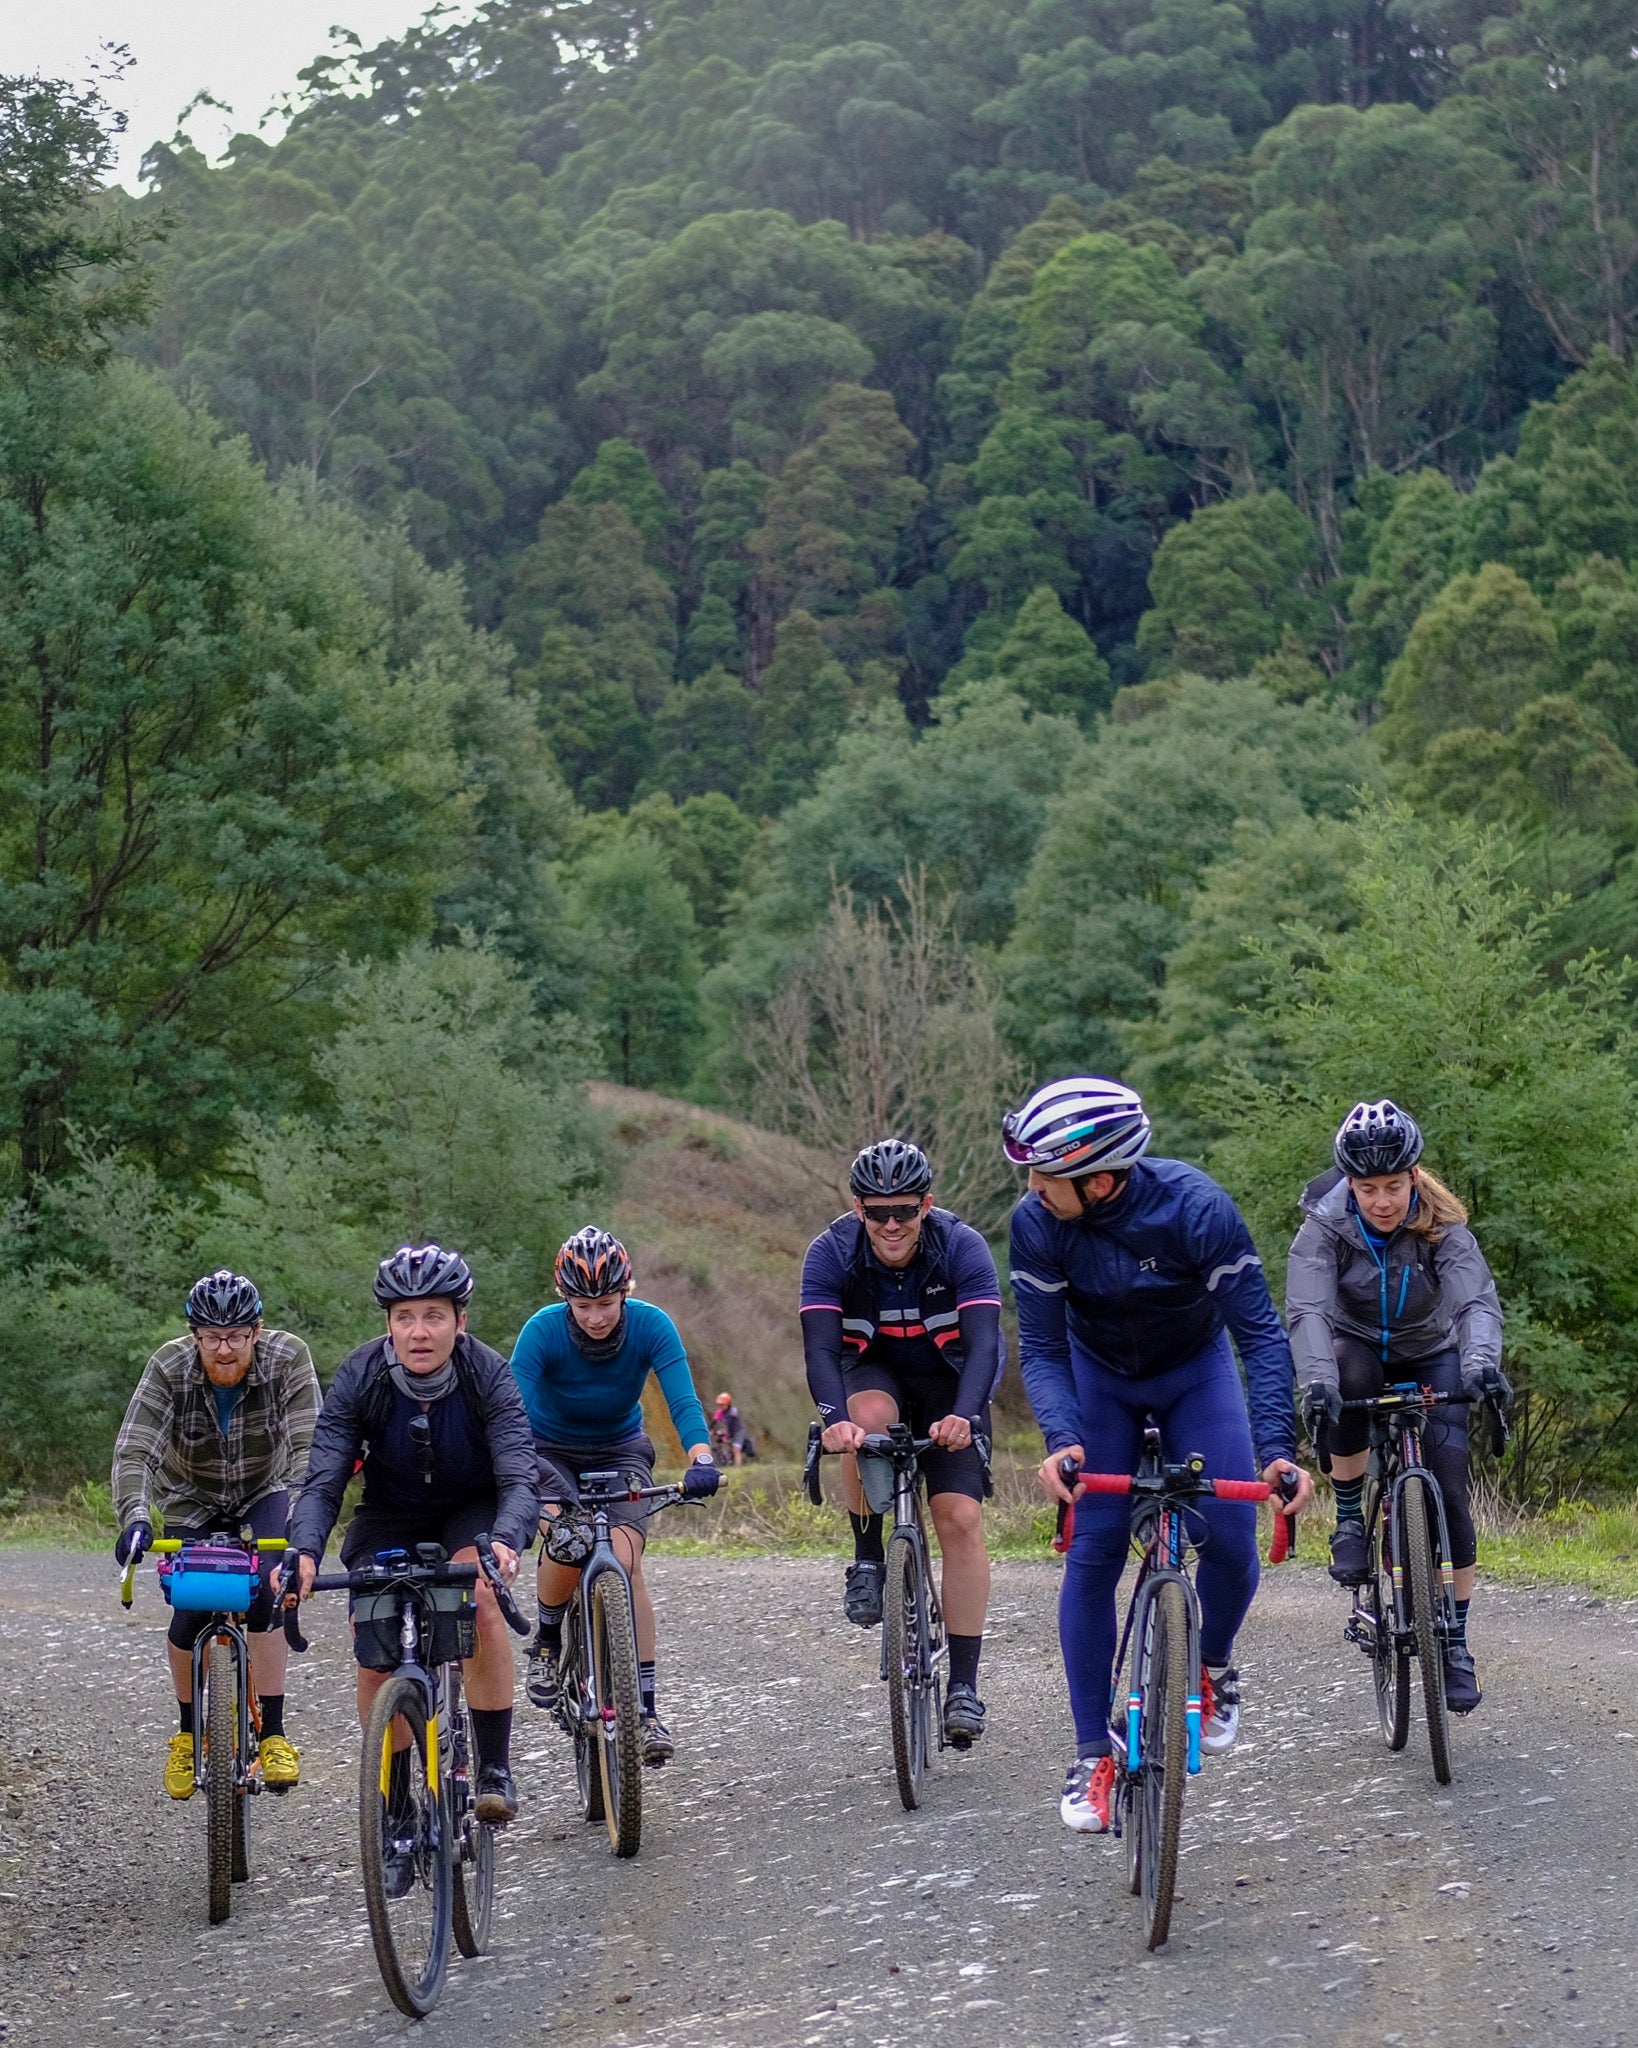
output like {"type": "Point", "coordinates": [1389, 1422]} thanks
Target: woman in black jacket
{"type": "Point", "coordinates": [1386, 1282]}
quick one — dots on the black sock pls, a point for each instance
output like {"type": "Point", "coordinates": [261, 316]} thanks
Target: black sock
{"type": "Point", "coordinates": [551, 1625]}
{"type": "Point", "coordinates": [1350, 1495]}
{"type": "Point", "coordinates": [492, 1733]}
{"type": "Point", "coordinates": [272, 1713]}
{"type": "Point", "coordinates": [398, 1784]}
{"type": "Point", "coordinates": [867, 1539]}
{"type": "Point", "coordinates": [964, 1660]}
{"type": "Point", "coordinates": [645, 1685]}
{"type": "Point", "coordinates": [184, 1710]}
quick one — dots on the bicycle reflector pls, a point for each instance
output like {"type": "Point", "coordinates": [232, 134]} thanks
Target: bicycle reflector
{"type": "Point", "coordinates": [208, 1578]}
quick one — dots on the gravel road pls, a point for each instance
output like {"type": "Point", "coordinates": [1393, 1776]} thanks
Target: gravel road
{"type": "Point", "coordinates": [1331, 1894]}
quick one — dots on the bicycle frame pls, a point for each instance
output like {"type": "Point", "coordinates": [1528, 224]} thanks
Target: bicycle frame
{"type": "Point", "coordinates": [1396, 1465]}
{"type": "Point", "coordinates": [1166, 1543]}
{"type": "Point", "coordinates": [909, 1521]}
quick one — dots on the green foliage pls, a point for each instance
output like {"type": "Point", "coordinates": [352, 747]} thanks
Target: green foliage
{"type": "Point", "coordinates": [1434, 994]}
{"type": "Point", "coordinates": [632, 928]}
{"type": "Point", "coordinates": [1228, 584]}
{"type": "Point", "coordinates": [1475, 657]}
{"type": "Point", "coordinates": [1049, 661]}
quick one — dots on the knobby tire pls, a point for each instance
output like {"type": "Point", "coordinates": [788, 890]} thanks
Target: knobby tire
{"type": "Point", "coordinates": [472, 1846]}
{"type": "Point", "coordinates": [904, 1624]}
{"type": "Point", "coordinates": [1425, 1597]}
{"type": "Point", "coordinates": [1390, 1667]}
{"type": "Point", "coordinates": [1166, 1738]}
{"type": "Point", "coordinates": [620, 1749]}
{"type": "Point", "coordinates": [411, 1933]}
{"type": "Point", "coordinates": [221, 1795]}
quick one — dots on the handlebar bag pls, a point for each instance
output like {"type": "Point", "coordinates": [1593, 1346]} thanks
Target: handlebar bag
{"type": "Point", "coordinates": [449, 1626]}
{"type": "Point", "coordinates": [207, 1578]}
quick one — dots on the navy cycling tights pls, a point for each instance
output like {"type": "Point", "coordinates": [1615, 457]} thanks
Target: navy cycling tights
{"type": "Point", "coordinates": [1200, 1406]}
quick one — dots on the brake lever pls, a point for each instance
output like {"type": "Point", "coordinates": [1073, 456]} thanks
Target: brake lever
{"type": "Point", "coordinates": [810, 1468]}
{"type": "Point", "coordinates": [290, 1601]}
{"type": "Point", "coordinates": [510, 1612]}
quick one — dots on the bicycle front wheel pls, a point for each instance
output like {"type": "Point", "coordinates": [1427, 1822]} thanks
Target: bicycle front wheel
{"type": "Point", "coordinates": [1425, 1594]}
{"type": "Point", "coordinates": [404, 1849]}
{"type": "Point", "coordinates": [1165, 1762]}
{"type": "Point", "coordinates": [619, 1706]}
{"type": "Point", "coordinates": [1390, 1667]}
{"type": "Point", "coordinates": [472, 1849]}
{"type": "Point", "coordinates": [221, 1774]}
{"type": "Point", "coordinates": [909, 1682]}
{"type": "Point", "coordinates": [574, 1696]}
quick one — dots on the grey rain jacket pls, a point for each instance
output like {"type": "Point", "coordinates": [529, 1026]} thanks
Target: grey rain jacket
{"type": "Point", "coordinates": [1418, 1298]}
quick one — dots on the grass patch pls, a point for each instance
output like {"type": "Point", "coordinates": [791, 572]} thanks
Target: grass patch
{"type": "Point", "coordinates": [1579, 1543]}
{"type": "Point", "coordinates": [83, 1519]}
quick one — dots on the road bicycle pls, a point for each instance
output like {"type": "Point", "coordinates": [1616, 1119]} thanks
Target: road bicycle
{"type": "Point", "coordinates": [1155, 1735]}
{"type": "Point", "coordinates": [428, 1861]}
{"type": "Point", "coordinates": [914, 1651]}
{"type": "Point", "coordinates": [215, 1576]}
{"type": "Point", "coordinates": [599, 1702]}
{"type": "Point", "coordinates": [1405, 1607]}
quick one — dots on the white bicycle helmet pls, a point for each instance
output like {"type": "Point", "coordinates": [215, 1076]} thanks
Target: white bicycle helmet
{"type": "Point", "coordinates": [1076, 1127]}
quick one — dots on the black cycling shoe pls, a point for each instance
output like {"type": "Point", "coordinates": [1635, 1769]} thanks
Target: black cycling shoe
{"type": "Point", "coordinates": [497, 1795]}
{"type": "Point", "coordinates": [398, 1856]}
{"type": "Point", "coordinates": [658, 1747]}
{"type": "Point", "coordinates": [543, 1684]}
{"type": "Point", "coordinates": [1462, 1692]}
{"type": "Point", "coordinates": [862, 1595]}
{"type": "Point", "coordinates": [1350, 1561]}
{"type": "Point", "coordinates": [963, 1716]}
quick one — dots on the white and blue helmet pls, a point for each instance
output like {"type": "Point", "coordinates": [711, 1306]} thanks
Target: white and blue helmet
{"type": "Point", "coordinates": [1079, 1126]}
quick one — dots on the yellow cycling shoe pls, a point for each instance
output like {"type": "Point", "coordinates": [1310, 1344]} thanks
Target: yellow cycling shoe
{"type": "Point", "coordinates": [179, 1767]}
{"type": "Point", "coordinates": [281, 1763]}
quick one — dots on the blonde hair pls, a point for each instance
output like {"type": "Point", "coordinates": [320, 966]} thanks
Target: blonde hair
{"type": "Point", "coordinates": [1436, 1209]}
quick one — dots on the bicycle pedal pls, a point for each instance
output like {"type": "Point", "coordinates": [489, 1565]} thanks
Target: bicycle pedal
{"type": "Point", "coordinates": [961, 1742]}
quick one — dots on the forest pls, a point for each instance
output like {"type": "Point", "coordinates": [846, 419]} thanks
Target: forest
{"type": "Point", "coordinates": [832, 561]}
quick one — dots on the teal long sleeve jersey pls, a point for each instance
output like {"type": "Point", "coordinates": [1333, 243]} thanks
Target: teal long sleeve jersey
{"type": "Point", "coordinates": [573, 1399]}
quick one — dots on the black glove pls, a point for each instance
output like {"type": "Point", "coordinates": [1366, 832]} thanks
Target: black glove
{"type": "Point", "coordinates": [1493, 1384]}
{"type": "Point", "coordinates": [135, 1540]}
{"type": "Point", "coordinates": [1321, 1408]}
{"type": "Point", "coordinates": [701, 1481]}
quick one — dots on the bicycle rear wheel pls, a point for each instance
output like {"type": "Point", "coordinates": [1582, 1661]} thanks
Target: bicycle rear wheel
{"type": "Point", "coordinates": [909, 1683]}
{"type": "Point", "coordinates": [1390, 1667]}
{"type": "Point", "coordinates": [1425, 1592]}
{"type": "Point", "coordinates": [620, 1751]}
{"type": "Point", "coordinates": [405, 1851]}
{"type": "Point", "coordinates": [1165, 1762]}
{"type": "Point", "coordinates": [221, 1774]}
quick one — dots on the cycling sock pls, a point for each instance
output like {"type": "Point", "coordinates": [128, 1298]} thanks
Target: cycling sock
{"type": "Point", "coordinates": [272, 1714]}
{"type": "Point", "coordinates": [492, 1735]}
{"type": "Point", "coordinates": [551, 1625]}
{"type": "Point", "coordinates": [184, 1710]}
{"type": "Point", "coordinates": [964, 1660]}
{"type": "Point", "coordinates": [1350, 1495]}
{"type": "Point", "coordinates": [1458, 1635]}
{"type": "Point", "coordinates": [867, 1539]}
{"type": "Point", "coordinates": [645, 1684]}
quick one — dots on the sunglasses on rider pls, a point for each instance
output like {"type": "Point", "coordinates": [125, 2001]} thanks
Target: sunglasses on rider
{"type": "Point", "coordinates": [892, 1212]}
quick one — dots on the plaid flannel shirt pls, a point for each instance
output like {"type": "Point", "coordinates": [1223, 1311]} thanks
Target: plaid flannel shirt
{"type": "Point", "coordinates": [172, 1454]}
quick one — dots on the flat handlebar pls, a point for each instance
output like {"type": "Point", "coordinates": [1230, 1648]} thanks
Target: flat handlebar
{"type": "Point", "coordinates": [170, 1546]}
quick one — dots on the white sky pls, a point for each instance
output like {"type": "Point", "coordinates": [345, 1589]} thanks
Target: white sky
{"type": "Point", "coordinates": [243, 52]}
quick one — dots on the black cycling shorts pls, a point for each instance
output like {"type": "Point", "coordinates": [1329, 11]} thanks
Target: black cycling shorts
{"type": "Point", "coordinates": [562, 1464]}
{"type": "Point", "coordinates": [923, 1399]}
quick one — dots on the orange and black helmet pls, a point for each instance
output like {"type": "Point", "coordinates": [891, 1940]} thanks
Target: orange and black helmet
{"type": "Point", "coordinates": [593, 1262]}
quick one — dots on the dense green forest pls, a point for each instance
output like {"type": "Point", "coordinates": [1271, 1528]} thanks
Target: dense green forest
{"type": "Point", "coordinates": [833, 560]}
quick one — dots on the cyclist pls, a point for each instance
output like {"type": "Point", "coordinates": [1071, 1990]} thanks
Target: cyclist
{"type": "Point", "coordinates": [1386, 1282]}
{"type": "Point", "coordinates": [214, 1438]}
{"type": "Point", "coordinates": [582, 1364]}
{"type": "Point", "coordinates": [434, 1418]}
{"type": "Point", "coordinates": [901, 1317]}
{"type": "Point", "coordinates": [1131, 1275]}
{"type": "Point", "coordinates": [728, 1427]}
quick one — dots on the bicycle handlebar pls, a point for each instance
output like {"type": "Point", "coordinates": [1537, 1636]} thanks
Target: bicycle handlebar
{"type": "Point", "coordinates": [509, 1610]}
{"type": "Point", "coordinates": [1176, 1483]}
{"type": "Point", "coordinates": [1412, 1398]}
{"type": "Point", "coordinates": [374, 1578]}
{"type": "Point", "coordinates": [881, 1445]}
{"type": "Point", "coordinates": [170, 1546]}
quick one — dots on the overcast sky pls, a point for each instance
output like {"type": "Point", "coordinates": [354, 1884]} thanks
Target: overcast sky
{"type": "Point", "coordinates": [243, 52]}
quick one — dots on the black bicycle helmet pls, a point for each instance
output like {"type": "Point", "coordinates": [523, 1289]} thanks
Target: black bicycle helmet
{"type": "Point", "coordinates": [892, 1167]}
{"type": "Point", "coordinates": [423, 1272]}
{"type": "Point", "coordinates": [223, 1300]}
{"type": "Point", "coordinates": [1377, 1138]}
{"type": "Point", "coordinates": [591, 1264]}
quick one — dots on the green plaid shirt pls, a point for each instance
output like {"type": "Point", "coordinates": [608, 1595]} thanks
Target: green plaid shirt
{"type": "Point", "coordinates": [172, 1454]}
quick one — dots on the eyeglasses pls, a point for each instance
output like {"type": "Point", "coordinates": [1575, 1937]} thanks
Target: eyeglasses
{"type": "Point", "coordinates": [894, 1212]}
{"type": "Point", "coordinates": [224, 1340]}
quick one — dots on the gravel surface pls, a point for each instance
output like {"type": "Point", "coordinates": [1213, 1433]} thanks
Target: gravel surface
{"type": "Point", "coordinates": [1330, 1893]}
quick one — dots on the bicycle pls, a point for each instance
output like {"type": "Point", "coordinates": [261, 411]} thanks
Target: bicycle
{"type": "Point", "coordinates": [1405, 1608]}
{"type": "Point", "coordinates": [1156, 1742]}
{"type": "Point", "coordinates": [216, 1576]}
{"type": "Point", "coordinates": [599, 1702]}
{"type": "Point", "coordinates": [914, 1650]}
{"type": "Point", "coordinates": [428, 1861]}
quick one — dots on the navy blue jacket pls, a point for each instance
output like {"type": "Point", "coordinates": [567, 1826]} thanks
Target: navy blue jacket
{"type": "Point", "coordinates": [1139, 1287]}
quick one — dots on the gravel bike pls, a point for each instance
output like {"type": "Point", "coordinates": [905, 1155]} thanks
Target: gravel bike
{"type": "Point", "coordinates": [914, 1652]}
{"type": "Point", "coordinates": [599, 1702]}
{"type": "Point", "coordinates": [1404, 1607]}
{"type": "Point", "coordinates": [215, 1576]}
{"type": "Point", "coordinates": [428, 1861]}
{"type": "Point", "coordinates": [1156, 1737]}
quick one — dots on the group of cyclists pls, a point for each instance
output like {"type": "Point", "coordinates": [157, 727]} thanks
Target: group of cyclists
{"type": "Point", "coordinates": [1135, 1280]}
